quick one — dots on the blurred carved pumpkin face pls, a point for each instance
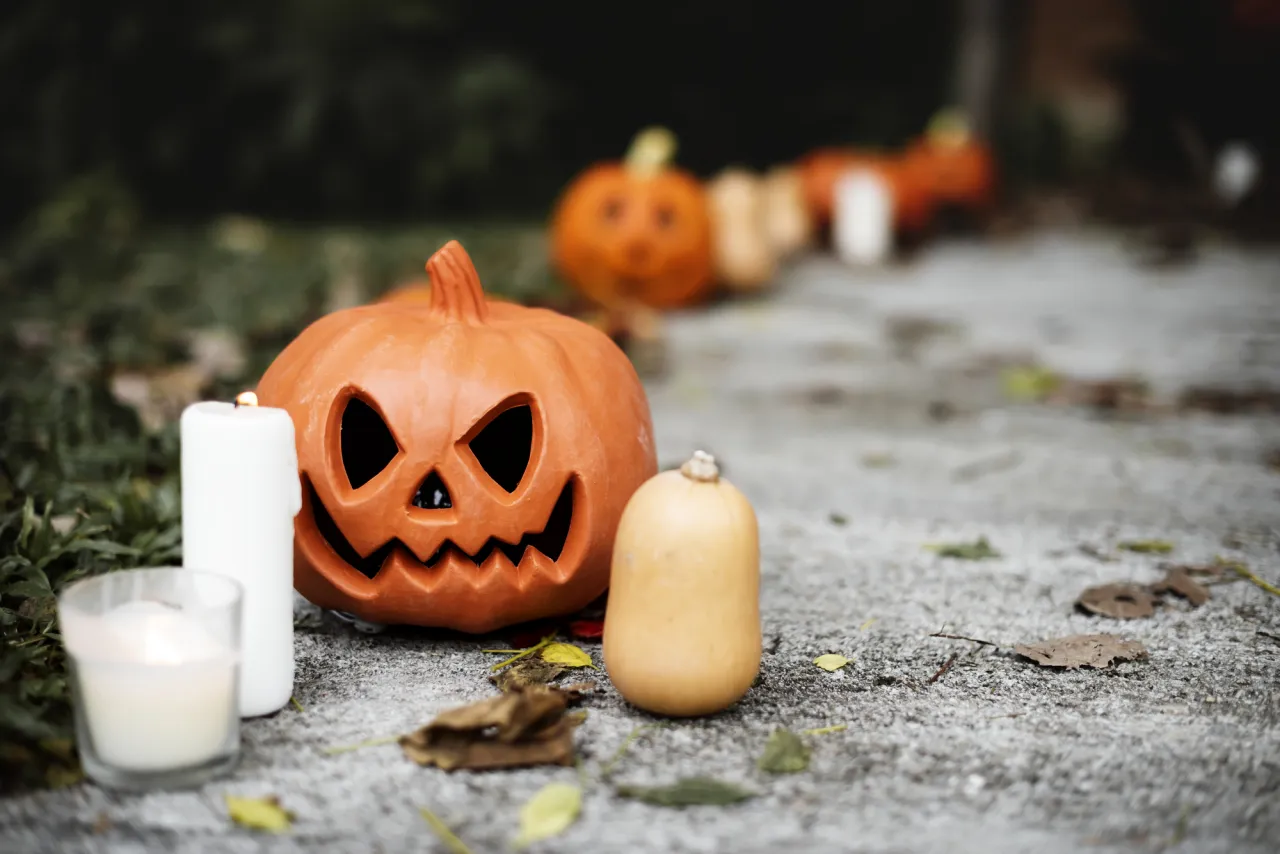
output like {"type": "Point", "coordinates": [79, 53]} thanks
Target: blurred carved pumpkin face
{"type": "Point", "coordinates": [623, 234]}
{"type": "Point", "coordinates": [464, 462]}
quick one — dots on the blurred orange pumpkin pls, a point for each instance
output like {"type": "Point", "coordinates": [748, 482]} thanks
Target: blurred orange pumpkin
{"type": "Point", "coordinates": [635, 231]}
{"type": "Point", "coordinates": [819, 170]}
{"type": "Point", "coordinates": [957, 169]}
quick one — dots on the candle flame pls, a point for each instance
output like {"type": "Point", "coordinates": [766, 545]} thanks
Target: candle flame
{"type": "Point", "coordinates": [246, 398]}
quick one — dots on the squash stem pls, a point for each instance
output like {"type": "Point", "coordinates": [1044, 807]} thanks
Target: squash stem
{"type": "Point", "coordinates": [701, 467]}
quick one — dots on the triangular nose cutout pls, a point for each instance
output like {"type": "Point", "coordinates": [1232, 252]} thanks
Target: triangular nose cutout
{"type": "Point", "coordinates": [433, 494]}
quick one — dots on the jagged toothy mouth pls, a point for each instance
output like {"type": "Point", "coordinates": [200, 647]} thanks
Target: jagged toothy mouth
{"type": "Point", "coordinates": [550, 541]}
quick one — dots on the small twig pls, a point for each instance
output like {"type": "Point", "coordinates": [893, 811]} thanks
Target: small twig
{"type": "Point", "coordinates": [373, 742]}
{"type": "Point", "coordinates": [963, 638]}
{"type": "Point", "coordinates": [447, 836]}
{"type": "Point", "coordinates": [296, 704]}
{"type": "Point", "coordinates": [607, 768]}
{"type": "Point", "coordinates": [524, 652]}
{"type": "Point", "coordinates": [1246, 573]}
{"type": "Point", "coordinates": [825, 730]}
{"type": "Point", "coordinates": [1275, 638]}
{"type": "Point", "coordinates": [1010, 715]}
{"type": "Point", "coordinates": [867, 624]}
{"type": "Point", "coordinates": [946, 665]}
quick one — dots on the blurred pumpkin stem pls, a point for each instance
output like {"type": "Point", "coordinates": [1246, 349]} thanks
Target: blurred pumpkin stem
{"type": "Point", "coordinates": [948, 127]}
{"type": "Point", "coordinates": [455, 285]}
{"type": "Point", "coordinates": [651, 151]}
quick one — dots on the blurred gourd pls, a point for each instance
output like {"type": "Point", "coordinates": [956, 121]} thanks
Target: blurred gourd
{"type": "Point", "coordinates": [819, 170]}
{"type": "Point", "coordinates": [788, 225]}
{"type": "Point", "coordinates": [635, 230]}
{"type": "Point", "coordinates": [955, 168]}
{"type": "Point", "coordinates": [682, 627]}
{"type": "Point", "coordinates": [745, 260]}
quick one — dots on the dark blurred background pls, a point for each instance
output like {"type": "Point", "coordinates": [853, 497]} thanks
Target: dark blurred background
{"type": "Point", "coordinates": [427, 109]}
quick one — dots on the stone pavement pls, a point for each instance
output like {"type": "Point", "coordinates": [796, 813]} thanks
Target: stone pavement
{"type": "Point", "coordinates": [862, 414]}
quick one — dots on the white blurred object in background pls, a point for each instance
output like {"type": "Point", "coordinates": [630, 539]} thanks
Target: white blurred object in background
{"type": "Point", "coordinates": [1235, 172]}
{"type": "Point", "coordinates": [862, 218]}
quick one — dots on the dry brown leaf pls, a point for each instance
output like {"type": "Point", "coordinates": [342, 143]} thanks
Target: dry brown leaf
{"type": "Point", "coordinates": [1097, 651]}
{"type": "Point", "coordinates": [160, 396]}
{"type": "Point", "coordinates": [524, 726]}
{"type": "Point", "coordinates": [576, 690]}
{"type": "Point", "coordinates": [528, 671]}
{"type": "Point", "coordinates": [1179, 583]}
{"type": "Point", "coordinates": [1121, 601]}
{"type": "Point", "coordinates": [218, 351]}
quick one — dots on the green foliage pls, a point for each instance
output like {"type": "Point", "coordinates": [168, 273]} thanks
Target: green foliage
{"type": "Point", "coordinates": [84, 488]}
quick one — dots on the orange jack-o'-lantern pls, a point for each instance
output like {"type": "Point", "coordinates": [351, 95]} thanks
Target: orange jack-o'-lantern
{"type": "Point", "coordinates": [636, 231]}
{"type": "Point", "coordinates": [464, 462]}
{"type": "Point", "coordinates": [821, 169]}
{"type": "Point", "coordinates": [957, 169]}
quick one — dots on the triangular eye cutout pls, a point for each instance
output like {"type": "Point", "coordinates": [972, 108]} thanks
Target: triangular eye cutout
{"type": "Point", "coordinates": [503, 447]}
{"type": "Point", "coordinates": [433, 494]}
{"type": "Point", "coordinates": [367, 444]}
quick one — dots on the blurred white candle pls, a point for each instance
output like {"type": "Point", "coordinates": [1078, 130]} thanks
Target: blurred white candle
{"type": "Point", "coordinates": [862, 218]}
{"type": "Point", "coordinates": [158, 689]}
{"type": "Point", "coordinates": [240, 492]}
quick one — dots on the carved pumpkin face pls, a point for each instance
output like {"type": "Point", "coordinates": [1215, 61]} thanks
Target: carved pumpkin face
{"type": "Point", "coordinates": [464, 462]}
{"type": "Point", "coordinates": [820, 170]}
{"type": "Point", "coordinates": [635, 231]}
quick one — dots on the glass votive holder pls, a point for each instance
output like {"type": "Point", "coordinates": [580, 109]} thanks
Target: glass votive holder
{"type": "Point", "coordinates": [154, 657]}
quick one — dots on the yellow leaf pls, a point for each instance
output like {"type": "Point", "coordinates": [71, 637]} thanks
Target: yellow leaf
{"type": "Point", "coordinates": [549, 813]}
{"type": "Point", "coordinates": [831, 661]}
{"type": "Point", "coordinates": [1029, 383]}
{"type": "Point", "coordinates": [259, 813]}
{"type": "Point", "coordinates": [566, 655]}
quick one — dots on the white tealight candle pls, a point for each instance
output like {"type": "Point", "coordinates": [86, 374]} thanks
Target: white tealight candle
{"type": "Point", "coordinates": [862, 217]}
{"type": "Point", "coordinates": [158, 689]}
{"type": "Point", "coordinates": [240, 492]}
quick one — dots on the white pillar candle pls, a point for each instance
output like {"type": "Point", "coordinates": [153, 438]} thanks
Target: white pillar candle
{"type": "Point", "coordinates": [240, 492]}
{"type": "Point", "coordinates": [862, 218]}
{"type": "Point", "coordinates": [158, 689]}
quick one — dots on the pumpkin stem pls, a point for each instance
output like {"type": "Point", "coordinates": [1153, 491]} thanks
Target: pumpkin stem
{"type": "Point", "coordinates": [701, 467]}
{"type": "Point", "coordinates": [651, 151]}
{"type": "Point", "coordinates": [948, 127]}
{"type": "Point", "coordinates": [455, 284]}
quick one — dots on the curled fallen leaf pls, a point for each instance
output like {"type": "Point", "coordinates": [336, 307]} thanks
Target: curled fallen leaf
{"type": "Point", "coordinates": [529, 671]}
{"type": "Point", "coordinates": [1097, 651]}
{"type": "Point", "coordinates": [690, 791]}
{"type": "Point", "coordinates": [566, 655]}
{"type": "Point", "coordinates": [1121, 601]}
{"type": "Point", "coordinates": [1178, 582]}
{"type": "Point", "coordinates": [784, 753]}
{"type": "Point", "coordinates": [549, 813]}
{"type": "Point", "coordinates": [521, 727]}
{"type": "Point", "coordinates": [259, 813]}
{"type": "Point", "coordinates": [831, 662]}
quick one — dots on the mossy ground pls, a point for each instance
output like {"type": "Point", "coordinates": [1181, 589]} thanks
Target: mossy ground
{"type": "Point", "coordinates": [88, 483]}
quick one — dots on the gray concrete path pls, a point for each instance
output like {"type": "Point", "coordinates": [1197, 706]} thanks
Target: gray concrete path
{"type": "Point", "coordinates": [799, 395]}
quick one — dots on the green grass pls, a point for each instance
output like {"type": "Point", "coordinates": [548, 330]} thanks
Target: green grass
{"type": "Point", "coordinates": [85, 487]}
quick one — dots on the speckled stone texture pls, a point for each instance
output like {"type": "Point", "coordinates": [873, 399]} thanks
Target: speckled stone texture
{"type": "Point", "coordinates": [798, 395]}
